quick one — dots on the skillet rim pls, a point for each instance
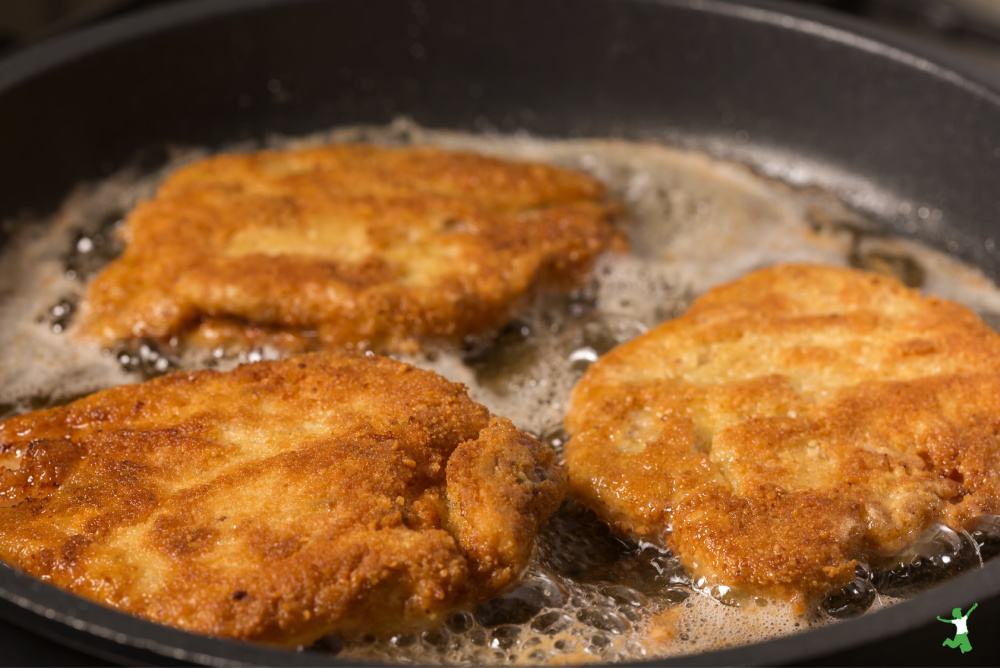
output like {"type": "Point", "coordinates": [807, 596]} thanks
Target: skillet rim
{"type": "Point", "coordinates": [19, 592]}
{"type": "Point", "coordinates": [824, 24]}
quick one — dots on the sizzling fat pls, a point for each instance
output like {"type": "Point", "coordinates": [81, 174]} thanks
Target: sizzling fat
{"type": "Point", "coordinates": [788, 422]}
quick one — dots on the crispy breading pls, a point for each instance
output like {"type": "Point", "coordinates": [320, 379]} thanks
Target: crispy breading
{"type": "Point", "coordinates": [789, 422]}
{"type": "Point", "coordinates": [278, 502]}
{"type": "Point", "coordinates": [346, 245]}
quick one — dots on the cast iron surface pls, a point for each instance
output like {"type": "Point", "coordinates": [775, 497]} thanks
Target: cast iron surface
{"type": "Point", "coordinates": [796, 92]}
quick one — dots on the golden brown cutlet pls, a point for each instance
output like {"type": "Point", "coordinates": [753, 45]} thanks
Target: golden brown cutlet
{"type": "Point", "coordinates": [348, 245]}
{"type": "Point", "coordinates": [278, 502]}
{"type": "Point", "coordinates": [790, 421]}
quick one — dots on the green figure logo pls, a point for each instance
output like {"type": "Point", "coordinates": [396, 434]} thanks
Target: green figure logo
{"type": "Point", "coordinates": [961, 639]}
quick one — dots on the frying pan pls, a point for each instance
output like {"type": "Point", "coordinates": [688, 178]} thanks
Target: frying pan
{"type": "Point", "coordinates": [902, 133]}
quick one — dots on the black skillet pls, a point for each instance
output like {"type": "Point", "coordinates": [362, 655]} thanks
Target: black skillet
{"type": "Point", "coordinates": [899, 131]}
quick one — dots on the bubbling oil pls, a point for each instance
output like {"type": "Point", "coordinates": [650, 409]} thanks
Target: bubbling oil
{"type": "Point", "coordinates": [587, 595]}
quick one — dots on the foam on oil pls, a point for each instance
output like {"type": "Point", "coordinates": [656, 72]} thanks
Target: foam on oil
{"type": "Point", "coordinates": [588, 596]}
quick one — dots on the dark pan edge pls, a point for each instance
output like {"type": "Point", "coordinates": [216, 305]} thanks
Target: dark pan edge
{"type": "Point", "coordinates": [850, 31]}
{"type": "Point", "coordinates": [38, 58]}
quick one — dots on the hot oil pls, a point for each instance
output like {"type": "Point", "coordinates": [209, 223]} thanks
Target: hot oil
{"type": "Point", "coordinates": [587, 595]}
{"type": "Point", "coordinates": [581, 599]}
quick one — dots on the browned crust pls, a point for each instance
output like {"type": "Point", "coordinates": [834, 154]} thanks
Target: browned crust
{"type": "Point", "coordinates": [790, 421]}
{"type": "Point", "coordinates": [278, 502]}
{"type": "Point", "coordinates": [346, 245]}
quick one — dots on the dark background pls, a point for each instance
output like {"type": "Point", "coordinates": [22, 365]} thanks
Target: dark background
{"type": "Point", "coordinates": [968, 27]}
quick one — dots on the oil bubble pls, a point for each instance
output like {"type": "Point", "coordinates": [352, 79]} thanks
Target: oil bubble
{"type": "Point", "coordinates": [985, 531]}
{"type": "Point", "coordinates": [939, 553]}
{"type": "Point", "coordinates": [850, 600]}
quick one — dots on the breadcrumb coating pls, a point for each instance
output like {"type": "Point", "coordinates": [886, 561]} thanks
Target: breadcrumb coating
{"type": "Point", "coordinates": [790, 421]}
{"type": "Point", "coordinates": [346, 246]}
{"type": "Point", "coordinates": [279, 502]}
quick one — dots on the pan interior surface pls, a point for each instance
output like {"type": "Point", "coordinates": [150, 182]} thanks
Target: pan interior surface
{"type": "Point", "coordinates": [912, 147]}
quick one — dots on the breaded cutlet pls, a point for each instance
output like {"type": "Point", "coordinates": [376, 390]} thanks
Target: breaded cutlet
{"type": "Point", "coordinates": [279, 502]}
{"type": "Point", "coordinates": [788, 423]}
{"type": "Point", "coordinates": [346, 245]}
